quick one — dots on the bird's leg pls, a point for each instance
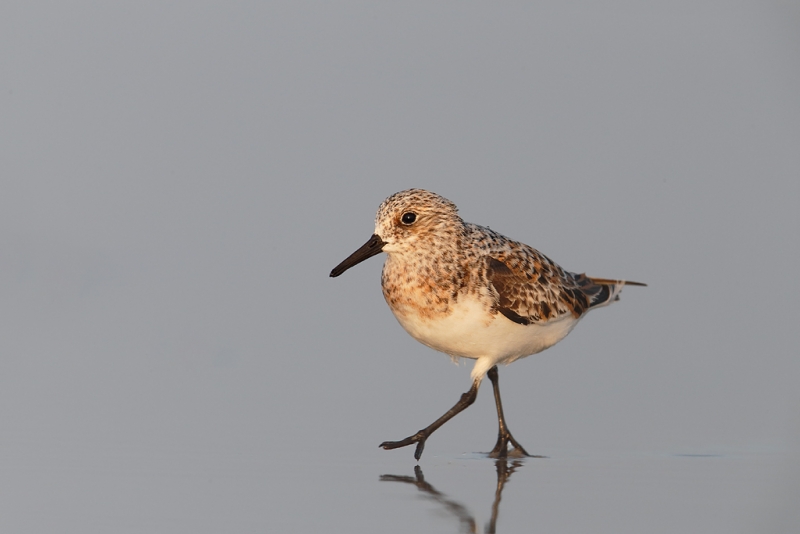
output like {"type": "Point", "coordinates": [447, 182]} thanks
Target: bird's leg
{"type": "Point", "coordinates": [504, 437]}
{"type": "Point", "coordinates": [420, 437]}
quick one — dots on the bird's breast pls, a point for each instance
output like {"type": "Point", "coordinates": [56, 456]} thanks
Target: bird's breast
{"type": "Point", "coordinates": [420, 289]}
{"type": "Point", "coordinates": [458, 316]}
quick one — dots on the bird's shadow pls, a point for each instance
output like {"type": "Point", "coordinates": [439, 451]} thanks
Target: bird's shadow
{"type": "Point", "coordinates": [466, 520]}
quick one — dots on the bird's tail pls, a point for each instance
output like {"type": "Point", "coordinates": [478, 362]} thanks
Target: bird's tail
{"type": "Point", "coordinates": [609, 290]}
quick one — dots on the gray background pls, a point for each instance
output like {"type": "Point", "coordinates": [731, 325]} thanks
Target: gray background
{"type": "Point", "coordinates": [178, 179]}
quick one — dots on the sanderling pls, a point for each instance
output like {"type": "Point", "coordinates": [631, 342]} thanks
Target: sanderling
{"type": "Point", "coordinates": [470, 292]}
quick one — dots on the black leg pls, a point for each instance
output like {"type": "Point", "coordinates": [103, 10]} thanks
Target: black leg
{"type": "Point", "coordinates": [504, 437]}
{"type": "Point", "coordinates": [420, 437]}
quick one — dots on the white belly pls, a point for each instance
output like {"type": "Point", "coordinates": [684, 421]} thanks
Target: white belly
{"type": "Point", "coordinates": [470, 331]}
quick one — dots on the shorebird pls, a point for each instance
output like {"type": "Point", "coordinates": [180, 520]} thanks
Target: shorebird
{"type": "Point", "coordinates": [470, 292]}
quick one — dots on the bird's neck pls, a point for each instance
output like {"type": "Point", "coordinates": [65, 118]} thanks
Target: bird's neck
{"type": "Point", "coordinates": [424, 280]}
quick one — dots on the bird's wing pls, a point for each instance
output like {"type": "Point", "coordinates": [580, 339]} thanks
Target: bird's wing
{"type": "Point", "coordinates": [538, 290]}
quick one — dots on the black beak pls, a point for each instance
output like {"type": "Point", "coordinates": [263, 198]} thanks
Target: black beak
{"type": "Point", "coordinates": [370, 248]}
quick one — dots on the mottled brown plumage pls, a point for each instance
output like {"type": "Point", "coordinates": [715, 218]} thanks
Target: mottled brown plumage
{"type": "Point", "coordinates": [471, 292]}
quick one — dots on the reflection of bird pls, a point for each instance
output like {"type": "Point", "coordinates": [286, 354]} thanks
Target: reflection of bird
{"type": "Point", "coordinates": [471, 292]}
{"type": "Point", "coordinates": [465, 518]}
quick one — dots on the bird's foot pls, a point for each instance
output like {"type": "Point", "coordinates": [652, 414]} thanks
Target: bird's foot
{"type": "Point", "coordinates": [501, 448]}
{"type": "Point", "coordinates": [418, 438]}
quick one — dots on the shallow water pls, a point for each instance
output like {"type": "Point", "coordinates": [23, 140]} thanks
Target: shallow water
{"type": "Point", "coordinates": [150, 490]}
{"type": "Point", "coordinates": [180, 177]}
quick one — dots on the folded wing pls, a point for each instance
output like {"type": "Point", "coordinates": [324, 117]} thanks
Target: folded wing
{"type": "Point", "coordinates": [538, 290]}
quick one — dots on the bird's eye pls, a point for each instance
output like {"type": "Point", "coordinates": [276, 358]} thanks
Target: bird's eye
{"type": "Point", "coordinates": [408, 218]}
